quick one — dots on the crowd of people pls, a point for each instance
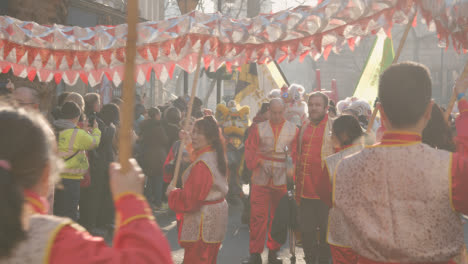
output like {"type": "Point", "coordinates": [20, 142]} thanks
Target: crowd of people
{"type": "Point", "coordinates": [390, 191]}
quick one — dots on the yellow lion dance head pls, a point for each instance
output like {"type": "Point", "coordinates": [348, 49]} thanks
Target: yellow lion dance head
{"type": "Point", "coordinates": [234, 120]}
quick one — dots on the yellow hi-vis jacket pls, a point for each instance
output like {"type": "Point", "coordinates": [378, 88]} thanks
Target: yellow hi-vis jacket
{"type": "Point", "coordinates": [77, 141]}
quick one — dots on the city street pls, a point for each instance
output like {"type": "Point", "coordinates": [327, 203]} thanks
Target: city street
{"type": "Point", "coordinates": [235, 246]}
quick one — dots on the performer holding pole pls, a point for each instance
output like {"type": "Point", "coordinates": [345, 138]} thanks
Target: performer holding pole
{"type": "Point", "coordinates": [401, 200]}
{"type": "Point", "coordinates": [28, 166]}
{"type": "Point", "coordinates": [201, 198]}
{"type": "Point", "coordinates": [315, 145]}
{"type": "Point", "coordinates": [264, 155]}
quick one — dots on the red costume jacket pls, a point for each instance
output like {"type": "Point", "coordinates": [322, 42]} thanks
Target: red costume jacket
{"type": "Point", "coordinates": [137, 238]}
{"type": "Point", "coordinates": [252, 157]}
{"type": "Point", "coordinates": [462, 128]}
{"type": "Point", "coordinates": [310, 168]}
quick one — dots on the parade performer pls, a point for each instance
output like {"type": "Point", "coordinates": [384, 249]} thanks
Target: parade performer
{"type": "Point", "coordinates": [296, 108]}
{"type": "Point", "coordinates": [461, 122]}
{"type": "Point", "coordinates": [201, 198]}
{"type": "Point", "coordinates": [234, 121]}
{"type": "Point", "coordinates": [347, 137]}
{"type": "Point", "coordinates": [264, 155]}
{"type": "Point", "coordinates": [315, 144]}
{"type": "Point", "coordinates": [27, 166]}
{"type": "Point", "coordinates": [401, 199]}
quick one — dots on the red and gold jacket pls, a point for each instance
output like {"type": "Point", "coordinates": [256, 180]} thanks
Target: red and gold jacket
{"type": "Point", "coordinates": [137, 238]}
{"type": "Point", "coordinates": [458, 180]}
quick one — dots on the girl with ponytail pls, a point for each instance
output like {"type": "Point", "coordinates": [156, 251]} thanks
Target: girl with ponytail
{"type": "Point", "coordinates": [28, 166]}
{"type": "Point", "coordinates": [201, 200]}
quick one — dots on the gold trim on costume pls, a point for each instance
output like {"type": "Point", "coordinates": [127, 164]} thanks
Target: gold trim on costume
{"type": "Point", "coordinates": [51, 241]}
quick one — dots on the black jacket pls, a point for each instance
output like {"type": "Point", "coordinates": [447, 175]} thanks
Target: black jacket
{"type": "Point", "coordinates": [285, 217]}
{"type": "Point", "coordinates": [153, 142]}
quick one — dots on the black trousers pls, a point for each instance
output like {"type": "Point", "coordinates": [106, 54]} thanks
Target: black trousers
{"type": "Point", "coordinates": [313, 220]}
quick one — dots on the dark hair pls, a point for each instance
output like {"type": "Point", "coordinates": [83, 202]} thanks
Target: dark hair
{"type": "Point", "coordinates": [332, 109]}
{"type": "Point", "coordinates": [180, 103]}
{"type": "Point", "coordinates": [139, 110]}
{"type": "Point", "coordinates": [90, 100]}
{"type": "Point", "coordinates": [172, 115]}
{"type": "Point", "coordinates": [349, 126]}
{"type": "Point", "coordinates": [265, 107]}
{"type": "Point", "coordinates": [437, 133]}
{"type": "Point", "coordinates": [117, 101]}
{"type": "Point", "coordinates": [324, 97]}
{"type": "Point", "coordinates": [61, 98]}
{"type": "Point", "coordinates": [405, 90]}
{"type": "Point", "coordinates": [210, 129]}
{"type": "Point", "coordinates": [26, 143]}
{"type": "Point", "coordinates": [70, 110]}
{"type": "Point", "coordinates": [153, 112]}
{"type": "Point", "coordinates": [110, 113]}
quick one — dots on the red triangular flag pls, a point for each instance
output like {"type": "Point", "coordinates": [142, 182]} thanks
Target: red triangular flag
{"type": "Point", "coordinates": [45, 56]}
{"type": "Point", "coordinates": [20, 51]}
{"type": "Point", "coordinates": [352, 43]}
{"type": "Point", "coordinates": [49, 37]}
{"type": "Point", "coordinates": [111, 31]}
{"type": "Point", "coordinates": [6, 69]}
{"type": "Point", "coordinates": [28, 26]}
{"type": "Point", "coordinates": [69, 32]}
{"type": "Point", "coordinates": [32, 75]}
{"type": "Point", "coordinates": [58, 56]}
{"type": "Point", "coordinates": [120, 54]}
{"type": "Point", "coordinates": [6, 50]}
{"type": "Point", "coordinates": [58, 77]}
{"type": "Point", "coordinates": [143, 51]}
{"type": "Point", "coordinates": [170, 70]}
{"type": "Point", "coordinates": [327, 51]}
{"type": "Point", "coordinates": [318, 42]}
{"type": "Point", "coordinates": [107, 55]}
{"type": "Point", "coordinates": [84, 77]}
{"type": "Point", "coordinates": [32, 54]}
{"type": "Point", "coordinates": [154, 49]}
{"type": "Point", "coordinates": [10, 30]}
{"type": "Point", "coordinates": [70, 57]}
{"type": "Point", "coordinates": [95, 58]}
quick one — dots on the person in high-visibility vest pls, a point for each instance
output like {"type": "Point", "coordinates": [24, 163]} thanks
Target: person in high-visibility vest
{"type": "Point", "coordinates": [72, 144]}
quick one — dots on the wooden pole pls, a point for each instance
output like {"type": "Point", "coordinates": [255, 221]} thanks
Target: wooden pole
{"type": "Point", "coordinates": [175, 179]}
{"type": "Point", "coordinates": [128, 93]}
{"type": "Point", "coordinates": [453, 99]}
{"type": "Point", "coordinates": [404, 37]}
{"type": "Point", "coordinates": [395, 60]}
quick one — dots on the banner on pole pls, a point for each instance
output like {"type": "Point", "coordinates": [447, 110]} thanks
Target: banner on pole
{"type": "Point", "coordinates": [380, 58]}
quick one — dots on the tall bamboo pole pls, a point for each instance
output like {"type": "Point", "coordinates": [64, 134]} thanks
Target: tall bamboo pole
{"type": "Point", "coordinates": [395, 60]}
{"type": "Point", "coordinates": [175, 179]}
{"type": "Point", "coordinates": [128, 93]}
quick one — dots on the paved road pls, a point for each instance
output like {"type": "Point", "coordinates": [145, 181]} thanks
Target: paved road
{"type": "Point", "coordinates": [235, 246]}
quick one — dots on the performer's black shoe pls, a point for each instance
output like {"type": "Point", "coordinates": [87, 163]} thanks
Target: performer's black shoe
{"type": "Point", "coordinates": [273, 257]}
{"type": "Point", "coordinates": [255, 258]}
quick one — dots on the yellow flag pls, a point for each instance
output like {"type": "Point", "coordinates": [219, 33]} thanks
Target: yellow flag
{"type": "Point", "coordinates": [380, 57]}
